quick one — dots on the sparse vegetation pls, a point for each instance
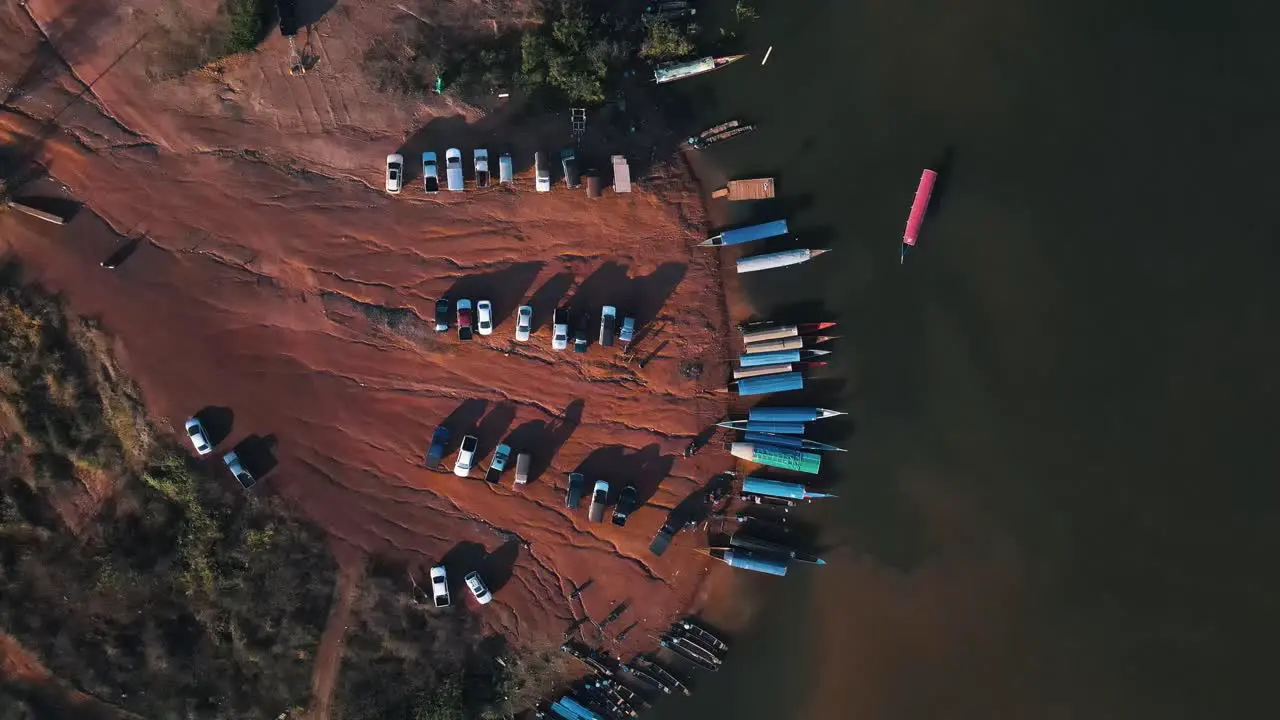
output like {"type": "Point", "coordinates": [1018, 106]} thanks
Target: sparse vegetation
{"type": "Point", "coordinates": [404, 660]}
{"type": "Point", "coordinates": [180, 597]}
{"type": "Point", "coordinates": [744, 12]}
{"type": "Point", "coordinates": [664, 41]}
{"type": "Point", "coordinates": [408, 63]}
{"type": "Point", "coordinates": [179, 45]}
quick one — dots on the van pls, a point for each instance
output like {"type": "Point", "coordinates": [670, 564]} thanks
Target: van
{"type": "Point", "coordinates": [523, 461]}
{"type": "Point", "coordinates": [599, 500]}
{"type": "Point", "coordinates": [569, 160]}
{"type": "Point", "coordinates": [453, 170]}
{"type": "Point", "coordinates": [542, 174]}
{"type": "Point", "coordinates": [577, 488]}
{"type": "Point", "coordinates": [608, 325]}
{"type": "Point", "coordinates": [482, 167]}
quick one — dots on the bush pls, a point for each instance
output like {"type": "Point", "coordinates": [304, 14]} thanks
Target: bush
{"type": "Point", "coordinates": [664, 41]}
{"type": "Point", "coordinates": [179, 46]}
{"type": "Point", "coordinates": [744, 13]}
{"type": "Point", "coordinates": [572, 53]}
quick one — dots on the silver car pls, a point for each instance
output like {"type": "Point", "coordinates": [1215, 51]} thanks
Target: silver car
{"type": "Point", "coordinates": [237, 469]}
{"type": "Point", "coordinates": [524, 322]}
{"type": "Point", "coordinates": [477, 588]}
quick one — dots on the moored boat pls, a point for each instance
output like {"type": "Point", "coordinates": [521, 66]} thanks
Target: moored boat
{"type": "Point", "coordinates": [751, 233]}
{"type": "Point", "coordinates": [757, 331]}
{"type": "Point", "coordinates": [779, 457]}
{"type": "Point", "coordinates": [750, 189]}
{"type": "Point", "coordinates": [768, 547]}
{"type": "Point", "coordinates": [777, 428]}
{"type": "Point", "coordinates": [798, 342]}
{"type": "Point", "coordinates": [789, 441]}
{"type": "Point", "coordinates": [772, 357]}
{"type": "Point", "coordinates": [670, 72]}
{"type": "Point", "coordinates": [699, 631]}
{"type": "Point", "coordinates": [775, 369]}
{"type": "Point", "coordinates": [767, 487]}
{"type": "Point", "coordinates": [744, 560]}
{"type": "Point", "coordinates": [698, 143]}
{"type": "Point", "coordinates": [791, 414]}
{"type": "Point", "coordinates": [690, 655]}
{"type": "Point", "coordinates": [693, 644]}
{"type": "Point", "coordinates": [782, 382]}
{"type": "Point", "coordinates": [919, 205]}
{"type": "Point", "coordinates": [663, 674]}
{"type": "Point", "coordinates": [784, 258]}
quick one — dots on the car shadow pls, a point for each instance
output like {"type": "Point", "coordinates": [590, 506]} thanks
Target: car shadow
{"type": "Point", "coordinates": [640, 297]}
{"type": "Point", "coordinates": [217, 422]}
{"type": "Point", "coordinates": [547, 298]}
{"type": "Point", "coordinates": [491, 430]}
{"type": "Point", "coordinates": [620, 466]}
{"type": "Point", "coordinates": [499, 565]}
{"type": "Point", "coordinates": [504, 288]}
{"type": "Point", "coordinates": [258, 454]}
{"type": "Point", "coordinates": [544, 440]}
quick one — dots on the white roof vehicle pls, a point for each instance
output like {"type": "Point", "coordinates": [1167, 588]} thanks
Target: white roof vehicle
{"type": "Point", "coordinates": [466, 456]}
{"type": "Point", "coordinates": [506, 170]}
{"type": "Point", "coordinates": [524, 322]}
{"type": "Point", "coordinates": [430, 174]}
{"type": "Point", "coordinates": [395, 173]}
{"type": "Point", "coordinates": [440, 586]}
{"type": "Point", "coordinates": [484, 320]}
{"type": "Point", "coordinates": [542, 174]}
{"type": "Point", "coordinates": [560, 329]}
{"type": "Point", "coordinates": [199, 437]}
{"type": "Point", "coordinates": [608, 325]}
{"type": "Point", "coordinates": [233, 464]}
{"type": "Point", "coordinates": [476, 585]}
{"type": "Point", "coordinates": [453, 169]}
{"type": "Point", "coordinates": [482, 167]}
{"type": "Point", "coordinates": [599, 499]}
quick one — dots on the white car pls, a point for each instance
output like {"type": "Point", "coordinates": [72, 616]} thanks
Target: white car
{"type": "Point", "coordinates": [560, 329]}
{"type": "Point", "coordinates": [482, 167]}
{"type": "Point", "coordinates": [466, 456]}
{"type": "Point", "coordinates": [476, 585]}
{"type": "Point", "coordinates": [199, 437]}
{"type": "Point", "coordinates": [542, 174]}
{"type": "Point", "coordinates": [524, 322]}
{"type": "Point", "coordinates": [453, 169]}
{"type": "Point", "coordinates": [430, 174]}
{"type": "Point", "coordinates": [440, 586]}
{"type": "Point", "coordinates": [395, 173]}
{"type": "Point", "coordinates": [599, 500]}
{"type": "Point", "coordinates": [484, 317]}
{"type": "Point", "coordinates": [233, 464]}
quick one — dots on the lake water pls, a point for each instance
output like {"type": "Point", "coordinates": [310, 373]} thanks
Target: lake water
{"type": "Point", "coordinates": [1060, 494]}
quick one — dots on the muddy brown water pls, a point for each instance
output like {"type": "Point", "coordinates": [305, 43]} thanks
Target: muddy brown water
{"type": "Point", "coordinates": [1059, 497]}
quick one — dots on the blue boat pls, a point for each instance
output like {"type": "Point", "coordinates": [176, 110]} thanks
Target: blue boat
{"type": "Point", "coordinates": [769, 358]}
{"type": "Point", "coordinates": [580, 710]}
{"type": "Point", "coordinates": [790, 414]}
{"type": "Point", "coordinates": [776, 488]}
{"type": "Point", "coordinates": [751, 233]}
{"type": "Point", "coordinates": [749, 561]}
{"type": "Point", "coordinates": [764, 384]}
{"type": "Point", "coordinates": [777, 428]}
{"type": "Point", "coordinates": [788, 441]}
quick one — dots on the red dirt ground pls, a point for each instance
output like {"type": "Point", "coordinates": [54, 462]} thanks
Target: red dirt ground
{"type": "Point", "coordinates": [255, 285]}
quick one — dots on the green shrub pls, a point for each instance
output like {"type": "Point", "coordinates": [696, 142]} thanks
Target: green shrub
{"type": "Point", "coordinates": [664, 41]}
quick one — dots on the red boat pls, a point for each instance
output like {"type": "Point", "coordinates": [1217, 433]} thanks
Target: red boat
{"type": "Point", "coordinates": [918, 208]}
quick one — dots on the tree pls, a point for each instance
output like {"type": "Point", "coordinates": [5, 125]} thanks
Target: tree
{"type": "Point", "coordinates": [664, 41]}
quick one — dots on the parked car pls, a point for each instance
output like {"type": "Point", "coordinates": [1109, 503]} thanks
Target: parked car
{"type": "Point", "coordinates": [237, 469]}
{"type": "Point", "coordinates": [440, 586]}
{"type": "Point", "coordinates": [482, 167]}
{"type": "Point", "coordinates": [430, 174]}
{"type": "Point", "coordinates": [453, 169]}
{"type": "Point", "coordinates": [199, 437]}
{"type": "Point", "coordinates": [523, 461]}
{"type": "Point", "coordinates": [524, 322]}
{"type": "Point", "coordinates": [569, 161]}
{"type": "Point", "coordinates": [542, 174]}
{"type": "Point", "coordinates": [484, 317]}
{"type": "Point", "coordinates": [395, 172]}
{"type": "Point", "coordinates": [599, 499]}
{"type": "Point", "coordinates": [466, 455]}
{"type": "Point", "coordinates": [435, 453]}
{"type": "Point", "coordinates": [506, 169]}
{"type": "Point", "coordinates": [581, 338]}
{"type": "Point", "coordinates": [608, 320]}
{"type": "Point", "coordinates": [577, 488]}
{"type": "Point", "coordinates": [464, 319]}
{"type": "Point", "coordinates": [627, 332]}
{"type": "Point", "coordinates": [498, 464]}
{"type": "Point", "coordinates": [628, 501]}
{"type": "Point", "coordinates": [442, 315]}
{"type": "Point", "coordinates": [560, 329]}
{"type": "Point", "coordinates": [476, 585]}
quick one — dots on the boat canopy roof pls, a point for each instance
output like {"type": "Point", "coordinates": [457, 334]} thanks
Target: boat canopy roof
{"type": "Point", "coordinates": [773, 488]}
{"type": "Point", "coordinates": [758, 563]}
{"type": "Point", "coordinates": [752, 233]}
{"type": "Point", "coordinates": [781, 382]}
{"type": "Point", "coordinates": [771, 357]}
{"type": "Point", "coordinates": [677, 70]}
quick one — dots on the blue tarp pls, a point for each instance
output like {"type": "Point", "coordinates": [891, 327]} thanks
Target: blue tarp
{"type": "Point", "coordinates": [752, 233]}
{"type": "Point", "coordinates": [783, 414]}
{"type": "Point", "coordinates": [769, 358]}
{"type": "Point", "coordinates": [781, 382]}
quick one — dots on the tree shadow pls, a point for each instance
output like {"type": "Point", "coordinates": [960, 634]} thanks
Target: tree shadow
{"type": "Point", "coordinates": [547, 297]}
{"type": "Point", "coordinates": [463, 420]}
{"type": "Point", "coordinates": [499, 565]}
{"type": "Point", "coordinates": [258, 454]}
{"type": "Point", "coordinates": [306, 12]}
{"type": "Point", "coordinates": [217, 422]}
{"type": "Point", "coordinates": [504, 288]}
{"type": "Point", "coordinates": [492, 428]}
{"type": "Point", "coordinates": [461, 559]}
{"type": "Point", "coordinates": [641, 297]}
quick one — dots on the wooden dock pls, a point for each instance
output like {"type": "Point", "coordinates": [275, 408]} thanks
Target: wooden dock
{"type": "Point", "coordinates": [754, 189]}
